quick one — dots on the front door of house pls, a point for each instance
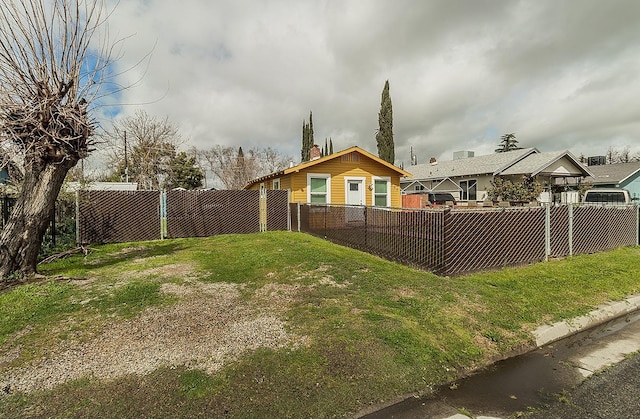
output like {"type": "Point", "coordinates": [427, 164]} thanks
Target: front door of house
{"type": "Point", "coordinates": [355, 196]}
{"type": "Point", "coordinates": [355, 192]}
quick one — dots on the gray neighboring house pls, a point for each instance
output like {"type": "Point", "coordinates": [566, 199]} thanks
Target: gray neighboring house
{"type": "Point", "coordinates": [619, 175]}
{"type": "Point", "coordinates": [469, 178]}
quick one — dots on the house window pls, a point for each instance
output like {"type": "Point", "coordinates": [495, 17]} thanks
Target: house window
{"type": "Point", "coordinates": [381, 195]}
{"type": "Point", "coordinates": [276, 184]}
{"type": "Point", "coordinates": [419, 188]}
{"type": "Point", "coordinates": [318, 188]}
{"type": "Point", "coordinates": [469, 190]}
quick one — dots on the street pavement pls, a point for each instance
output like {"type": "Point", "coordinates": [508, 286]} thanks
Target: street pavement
{"type": "Point", "coordinates": [614, 393]}
{"type": "Point", "coordinates": [584, 368]}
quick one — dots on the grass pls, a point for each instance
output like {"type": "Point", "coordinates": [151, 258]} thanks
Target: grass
{"type": "Point", "coordinates": [376, 329]}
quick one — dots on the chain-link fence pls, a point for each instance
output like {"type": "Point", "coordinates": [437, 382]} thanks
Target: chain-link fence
{"type": "Point", "coordinates": [61, 233]}
{"type": "Point", "coordinates": [453, 242]}
{"type": "Point", "coordinates": [121, 216]}
{"type": "Point", "coordinates": [444, 241]}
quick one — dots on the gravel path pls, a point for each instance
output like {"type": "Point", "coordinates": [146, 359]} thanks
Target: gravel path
{"type": "Point", "coordinates": [208, 327]}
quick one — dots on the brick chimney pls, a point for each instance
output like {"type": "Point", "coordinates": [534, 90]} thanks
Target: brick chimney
{"type": "Point", "coordinates": [315, 152]}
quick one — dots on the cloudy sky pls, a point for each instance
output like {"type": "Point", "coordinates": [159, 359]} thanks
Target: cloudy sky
{"type": "Point", "coordinates": [559, 74]}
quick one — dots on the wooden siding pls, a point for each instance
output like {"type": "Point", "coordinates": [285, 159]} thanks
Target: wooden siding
{"type": "Point", "coordinates": [339, 168]}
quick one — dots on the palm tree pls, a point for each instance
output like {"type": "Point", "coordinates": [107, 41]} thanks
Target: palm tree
{"type": "Point", "coordinates": [508, 142]}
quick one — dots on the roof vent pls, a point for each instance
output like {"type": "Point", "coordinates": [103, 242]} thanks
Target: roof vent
{"type": "Point", "coordinates": [457, 155]}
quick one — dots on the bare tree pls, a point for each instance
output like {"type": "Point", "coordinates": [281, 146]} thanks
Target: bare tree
{"type": "Point", "coordinates": [143, 145]}
{"type": "Point", "coordinates": [233, 168]}
{"type": "Point", "coordinates": [50, 73]}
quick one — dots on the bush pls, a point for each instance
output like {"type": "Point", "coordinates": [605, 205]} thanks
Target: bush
{"type": "Point", "coordinates": [528, 189]}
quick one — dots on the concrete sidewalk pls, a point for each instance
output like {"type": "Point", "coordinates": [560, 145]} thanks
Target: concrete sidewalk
{"type": "Point", "coordinates": [568, 351]}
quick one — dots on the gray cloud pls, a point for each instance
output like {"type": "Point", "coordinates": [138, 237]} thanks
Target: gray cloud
{"type": "Point", "coordinates": [561, 75]}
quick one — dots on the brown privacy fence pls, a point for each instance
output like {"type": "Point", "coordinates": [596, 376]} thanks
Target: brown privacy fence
{"type": "Point", "coordinates": [444, 241]}
{"type": "Point", "coordinates": [121, 216]}
{"type": "Point", "coordinates": [453, 242]}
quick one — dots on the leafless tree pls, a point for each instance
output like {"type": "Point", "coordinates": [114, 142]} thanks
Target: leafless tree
{"type": "Point", "coordinates": [53, 54]}
{"type": "Point", "coordinates": [150, 144]}
{"type": "Point", "coordinates": [233, 168]}
{"type": "Point", "coordinates": [624, 155]}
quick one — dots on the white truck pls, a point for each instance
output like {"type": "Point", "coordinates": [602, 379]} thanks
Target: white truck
{"type": "Point", "coordinates": [606, 196]}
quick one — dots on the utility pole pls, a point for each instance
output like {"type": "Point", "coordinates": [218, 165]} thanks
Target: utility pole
{"type": "Point", "coordinates": [126, 160]}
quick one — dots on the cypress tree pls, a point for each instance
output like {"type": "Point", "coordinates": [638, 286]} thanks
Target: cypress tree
{"type": "Point", "coordinates": [303, 150]}
{"type": "Point", "coordinates": [307, 138]}
{"type": "Point", "coordinates": [384, 136]}
{"type": "Point", "coordinates": [330, 146]}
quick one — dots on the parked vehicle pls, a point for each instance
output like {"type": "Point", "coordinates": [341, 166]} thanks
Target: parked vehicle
{"type": "Point", "coordinates": [606, 196]}
{"type": "Point", "coordinates": [441, 198]}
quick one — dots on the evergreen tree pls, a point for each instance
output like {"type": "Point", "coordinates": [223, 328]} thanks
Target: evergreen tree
{"type": "Point", "coordinates": [508, 142]}
{"type": "Point", "coordinates": [330, 146]}
{"type": "Point", "coordinates": [384, 136]}
{"type": "Point", "coordinates": [326, 147]}
{"type": "Point", "coordinates": [184, 172]}
{"type": "Point", "coordinates": [307, 138]}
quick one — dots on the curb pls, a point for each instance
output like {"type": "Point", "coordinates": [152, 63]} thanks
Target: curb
{"type": "Point", "coordinates": [551, 333]}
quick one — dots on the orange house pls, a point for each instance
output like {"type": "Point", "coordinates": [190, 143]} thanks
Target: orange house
{"type": "Point", "coordinates": [352, 176]}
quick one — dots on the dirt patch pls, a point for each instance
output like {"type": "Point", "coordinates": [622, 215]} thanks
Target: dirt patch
{"type": "Point", "coordinates": [404, 293]}
{"type": "Point", "coordinates": [209, 327]}
{"type": "Point", "coordinates": [327, 280]}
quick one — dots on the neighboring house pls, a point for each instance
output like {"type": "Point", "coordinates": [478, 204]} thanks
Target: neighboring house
{"type": "Point", "coordinates": [100, 186]}
{"type": "Point", "coordinates": [468, 179]}
{"type": "Point", "coordinates": [352, 176]}
{"type": "Point", "coordinates": [4, 175]}
{"type": "Point", "coordinates": [9, 173]}
{"type": "Point", "coordinates": [619, 175]}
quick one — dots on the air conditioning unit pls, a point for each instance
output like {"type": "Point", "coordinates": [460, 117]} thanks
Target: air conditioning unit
{"type": "Point", "coordinates": [596, 160]}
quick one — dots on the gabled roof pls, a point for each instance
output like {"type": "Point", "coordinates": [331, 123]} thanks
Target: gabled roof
{"type": "Point", "coordinates": [321, 160]}
{"type": "Point", "coordinates": [491, 164]}
{"type": "Point", "coordinates": [535, 164]}
{"type": "Point", "coordinates": [613, 173]}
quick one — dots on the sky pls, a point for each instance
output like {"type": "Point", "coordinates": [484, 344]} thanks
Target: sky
{"type": "Point", "coordinates": [559, 74]}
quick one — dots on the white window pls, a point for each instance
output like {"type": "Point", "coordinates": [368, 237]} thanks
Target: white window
{"type": "Point", "coordinates": [469, 190]}
{"type": "Point", "coordinates": [276, 184]}
{"type": "Point", "coordinates": [318, 188]}
{"type": "Point", "coordinates": [381, 192]}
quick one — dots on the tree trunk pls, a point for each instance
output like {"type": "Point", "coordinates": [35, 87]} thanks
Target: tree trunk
{"type": "Point", "coordinates": [22, 236]}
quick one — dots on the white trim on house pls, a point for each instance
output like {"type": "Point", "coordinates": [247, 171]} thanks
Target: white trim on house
{"type": "Point", "coordinates": [275, 182]}
{"type": "Point", "coordinates": [386, 179]}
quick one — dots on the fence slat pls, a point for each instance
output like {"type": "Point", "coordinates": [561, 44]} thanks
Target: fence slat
{"type": "Point", "coordinates": [458, 241]}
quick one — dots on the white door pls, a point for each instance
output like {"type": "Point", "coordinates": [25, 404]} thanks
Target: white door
{"type": "Point", "coordinates": [355, 192]}
{"type": "Point", "coordinates": [355, 196]}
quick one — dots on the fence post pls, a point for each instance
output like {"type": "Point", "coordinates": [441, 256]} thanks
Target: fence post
{"type": "Point", "coordinates": [163, 214]}
{"type": "Point", "coordinates": [570, 229]}
{"type": "Point", "coordinates": [298, 209]}
{"type": "Point", "coordinates": [288, 210]}
{"type": "Point", "coordinates": [366, 227]}
{"type": "Point", "coordinates": [326, 208]}
{"type": "Point", "coordinates": [547, 231]}
{"type": "Point", "coordinates": [263, 208]}
{"type": "Point", "coordinates": [77, 217]}
{"type": "Point", "coordinates": [53, 225]}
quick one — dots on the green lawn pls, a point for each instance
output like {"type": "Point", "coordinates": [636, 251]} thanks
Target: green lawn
{"type": "Point", "coordinates": [366, 330]}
